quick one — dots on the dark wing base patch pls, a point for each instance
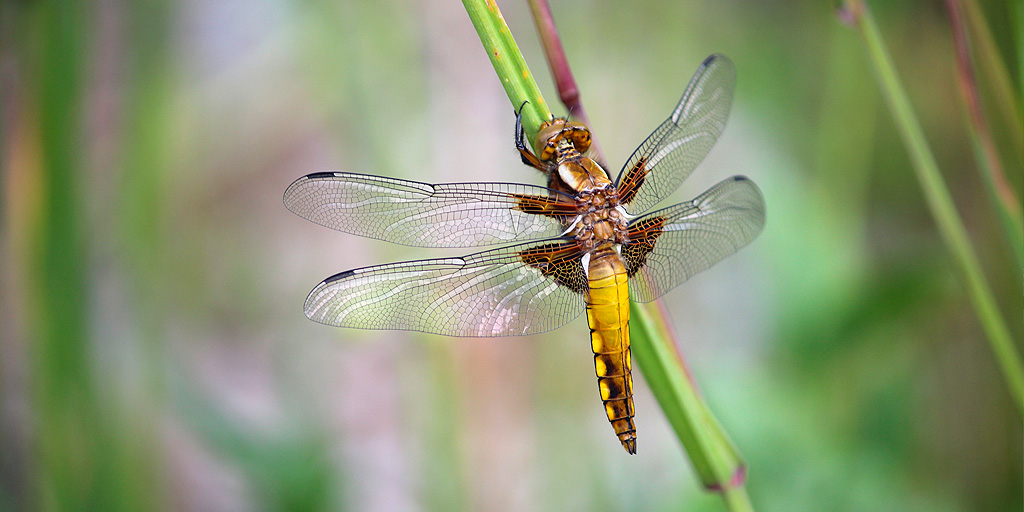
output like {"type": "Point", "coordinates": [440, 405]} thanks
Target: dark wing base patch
{"type": "Point", "coordinates": [558, 261]}
{"type": "Point", "coordinates": [642, 236]}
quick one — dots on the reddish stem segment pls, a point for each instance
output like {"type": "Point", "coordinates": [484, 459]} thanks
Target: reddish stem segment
{"type": "Point", "coordinates": [969, 88]}
{"type": "Point", "coordinates": [568, 91]}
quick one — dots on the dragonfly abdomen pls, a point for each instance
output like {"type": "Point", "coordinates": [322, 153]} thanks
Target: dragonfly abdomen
{"type": "Point", "coordinates": [608, 316]}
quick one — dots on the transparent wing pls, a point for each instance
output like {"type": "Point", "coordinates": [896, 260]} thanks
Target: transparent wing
{"type": "Point", "coordinates": [674, 149]}
{"type": "Point", "coordinates": [669, 246]}
{"type": "Point", "coordinates": [424, 215]}
{"type": "Point", "coordinates": [511, 291]}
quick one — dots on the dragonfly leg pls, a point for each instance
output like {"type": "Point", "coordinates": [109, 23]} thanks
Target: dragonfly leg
{"type": "Point", "coordinates": [528, 157]}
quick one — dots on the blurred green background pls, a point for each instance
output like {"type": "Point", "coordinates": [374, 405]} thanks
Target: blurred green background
{"type": "Point", "coordinates": [153, 350]}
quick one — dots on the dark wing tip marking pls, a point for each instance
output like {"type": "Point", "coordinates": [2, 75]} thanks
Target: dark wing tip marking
{"type": "Point", "coordinates": [339, 276]}
{"type": "Point", "coordinates": [320, 175]}
{"type": "Point", "coordinates": [711, 59]}
{"type": "Point", "coordinates": [290, 204]}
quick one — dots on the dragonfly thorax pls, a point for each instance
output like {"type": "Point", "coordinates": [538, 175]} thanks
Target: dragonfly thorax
{"type": "Point", "coordinates": [600, 219]}
{"type": "Point", "coordinates": [578, 172]}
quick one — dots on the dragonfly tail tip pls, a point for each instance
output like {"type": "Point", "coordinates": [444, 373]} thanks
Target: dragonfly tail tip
{"type": "Point", "coordinates": [630, 445]}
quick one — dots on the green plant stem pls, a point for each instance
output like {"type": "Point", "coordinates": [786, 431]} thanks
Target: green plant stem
{"type": "Point", "coordinates": [1016, 11]}
{"type": "Point", "coordinates": [68, 435]}
{"type": "Point", "coordinates": [509, 64]}
{"type": "Point", "coordinates": [713, 455]}
{"type": "Point", "coordinates": [737, 499]}
{"type": "Point", "coordinates": [940, 203]}
{"type": "Point", "coordinates": [1000, 193]}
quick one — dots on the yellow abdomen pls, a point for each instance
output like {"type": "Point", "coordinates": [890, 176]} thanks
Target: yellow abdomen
{"type": "Point", "coordinates": [608, 316]}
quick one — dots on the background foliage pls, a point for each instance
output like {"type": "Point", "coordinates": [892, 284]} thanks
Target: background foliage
{"type": "Point", "coordinates": [153, 352]}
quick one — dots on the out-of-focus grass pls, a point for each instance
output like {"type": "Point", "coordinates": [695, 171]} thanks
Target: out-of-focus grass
{"type": "Point", "coordinates": [88, 452]}
{"type": "Point", "coordinates": [940, 204]}
{"type": "Point", "coordinates": [838, 348]}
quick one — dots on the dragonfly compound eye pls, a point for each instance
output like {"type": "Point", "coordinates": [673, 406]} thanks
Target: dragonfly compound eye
{"type": "Point", "coordinates": [547, 139]}
{"type": "Point", "coordinates": [579, 134]}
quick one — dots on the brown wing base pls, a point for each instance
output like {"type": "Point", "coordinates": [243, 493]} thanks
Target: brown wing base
{"type": "Point", "coordinates": [632, 181]}
{"type": "Point", "coordinates": [559, 261]}
{"type": "Point", "coordinates": [642, 236]}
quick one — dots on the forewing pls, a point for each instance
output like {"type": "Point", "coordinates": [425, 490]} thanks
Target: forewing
{"type": "Point", "coordinates": [516, 290]}
{"type": "Point", "coordinates": [671, 245]}
{"type": "Point", "coordinates": [425, 215]}
{"type": "Point", "coordinates": [674, 149]}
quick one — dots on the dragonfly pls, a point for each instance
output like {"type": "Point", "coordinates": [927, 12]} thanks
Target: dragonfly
{"type": "Point", "coordinates": [581, 243]}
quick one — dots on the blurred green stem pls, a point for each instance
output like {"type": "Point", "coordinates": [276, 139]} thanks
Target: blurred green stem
{"type": "Point", "coordinates": [737, 499]}
{"type": "Point", "coordinates": [939, 201]}
{"type": "Point", "coordinates": [76, 467]}
{"type": "Point", "coordinates": [1001, 85]}
{"type": "Point", "coordinates": [68, 433]}
{"type": "Point", "coordinates": [1001, 193]}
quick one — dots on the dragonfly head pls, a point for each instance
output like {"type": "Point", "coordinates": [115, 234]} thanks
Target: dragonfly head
{"type": "Point", "coordinates": [556, 130]}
